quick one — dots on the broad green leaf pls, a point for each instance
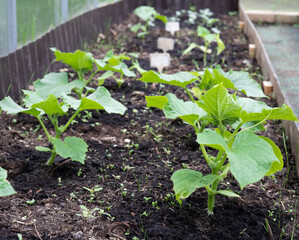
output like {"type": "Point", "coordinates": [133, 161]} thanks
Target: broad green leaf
{"type": "Point", "coordinates": [250, 158]}
{"type": "Point", "coordinates": [244, 83]}
{"type": "Point", "coordinates": [220, 44]}
{"type": "Point", "coordinates": [253, 110]}
{"type": "Point", "coordinates": [71, 101]}
{"type": "Point", "coordinates": [50, 106]}
{"type": "Point", "coordinates": [162, 18]}
{"type": "Point", "coordinates": [180, 79]}
{"type": "Point", "coordinates": [253, 126]}
{"type": "Point", "coordinates": [135, 28]}
{"type": "Point", "coordinates": [101, 99]}
{"type": "Point", "coordinates": [121, 68]}
{"type": "Point", "coordinates": [227, 193]}
{"type": "Point", "coordinates": [187, 111]}
{"type": "Point", "coordinates": [156, 101]}
{"type": "Point", "coordinates": [32, 98]}
{"type": "Point", "coordinates": [43, 149]}
{"type": "Point", "coordinates": [72, 147]}
{"type": "Point", "coordinates": [212, 77]}
{"type": "Point", "coordinates": [278, 163]}
{"type": "Point", "coordinates": [209, 38]}
{"type": "Point", "coordinates": [212, 139]}
{"type": "Point", "coordinates": [5, 188]}
{"type": "Point", "coordinates": [9, 105]}
{"type": "Point", "coordinates": [190, 48]}
{"type": "Point", "coordinates": [79, 60]}
{"type": "Point", "coordinates": [56, 84]}
{"type": "Point", "coordinates": [176, 108]}
{"type": "Point", "coordinates": [145, 12]}
{"type": "Point", "coordinates": [222, 107]}
{"type": "Point", "coordinates": [186, 181]}
{"type": "Point", "coordinates": [202, 31]}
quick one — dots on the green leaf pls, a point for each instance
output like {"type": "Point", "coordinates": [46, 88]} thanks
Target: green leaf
{"type": "Point", "coordinates": [212, 139]}
{"type": "Point", "coordinates": [79, 60]}
{"type": "Point", "coordinates": [202, 31]}
{"type": "Point", "coordinates": [72, 147]}
{"type": "Point", "coordinates": [50, 106]}
{"type": "Point", "coordinates": [186, 181]}
{"type": "Point", "coordinates": [9, 105]}
{"type": "Point", "coordinates": [222, 107]}
{"type": "Point", "coordinates": [190, 48]}
{"type": "Point", "coordinates": [253, 110]}
{"type": "Point", "coordinates": [101, 99]}
{"type": "Point", "coordinates": [227, 193]}
{"type": "Point", "coordinates": [244, 83]}
{"type": "Point", "coordinates": [180, 79]}
{"type": "Point", "coordinates": [278, 163]}
{"type": "Point", "coordinates": [121, 68]}
{"type": "Point", "coordinates": [156, 101]}
{"type": "Point", "coordinates": [135, 28]}
{"type": "Point", "coordinates": [162, 18]}
{"type": "Point", "coordinates": [212, 77]}
{"type": "Point", "coordinates": [43, 149]}
{"type": "Point", "coordinates": [5, 188]}
{"type": "Point", "coordinates": [145, 12]}
{"type": "Point", "coordinates": [253, 126]}
{"type": "Point", "coordinates": [220, 44]}
{"type": "Point", "coordinates": [250, 158]}
{"type": "Point", "coordinates": [56, 84]}
{"type": "Point", "coordinates": [31, 98]}
{"type": "Point", "coordinates": [176, 108]}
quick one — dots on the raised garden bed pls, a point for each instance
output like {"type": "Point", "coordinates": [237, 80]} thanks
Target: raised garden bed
{"type": "Point", "coordinates": [131, 159]}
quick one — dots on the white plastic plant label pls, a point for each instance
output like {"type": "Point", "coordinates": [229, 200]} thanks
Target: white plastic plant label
{"type": "Point", "coordinates": [165, 44]}
{"type": "Point", "coordinates": [160, 60]}
{"type": "Point", "coordinates": [172, 27]}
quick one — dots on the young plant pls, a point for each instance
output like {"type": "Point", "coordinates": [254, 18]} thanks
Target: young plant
{"type": "Point", "coordinates": [206, 16]}
{"type": "Point", "coordinates": [234, 120]}
{"type": "Point", "coordinates": [5, 188]}
{"type": "Point", "coordinates": [83, 62]}
{"type": "Point", "coordinates": [148, 15]}
{"type": "Point", "coordinates": [208, 38]}
{"type": "Point", "coordinates": [52, 101]}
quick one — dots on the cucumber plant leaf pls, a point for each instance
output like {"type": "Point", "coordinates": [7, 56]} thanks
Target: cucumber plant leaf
{"type": "Point", "coordinates": [227, 193]}
{"type": "Point", "coordinates": [78, 60]}
{"type": "Point", "coordinates": [250, 156]}
{"type": "Point", "coordinates": [253, 110]}
{"type": "Point", "coordinates": [278, 164]}
{"type": "Point", "coordinates": [220, 105]}
{"type": "Point", "coordinates": [11, 107]}
{"type": "Point", "coordinates": [56, 84]}
{"type": "Point", "coordinates": [72, 147]}
{"type": "Point", "coordinates": [176, 108]}
{"type": "Point", "coordinates": [145, 12]}
{"type": "Point", "coordinates": [101, 99]}
{"type": "Point", "coordinates": [180, 79]}
{"type": "Point", "coordinates": [186, 181]}
{"type": "Point", "coordinates": [121, 68]}
{"type": "Point", "coordinates": [244, 83]}
{"type": "Point", "coordinates": [5, 188]}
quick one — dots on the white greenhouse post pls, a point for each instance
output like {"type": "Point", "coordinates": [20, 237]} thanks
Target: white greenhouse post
{"type": "Point", "coordinates": [12, 26]}
{"type": "Point", "coordinates": [61, 11]}
{"type": "Point", "coordinates": [95, 3]}
{"type": "Point", "coordinates": [8, 27]}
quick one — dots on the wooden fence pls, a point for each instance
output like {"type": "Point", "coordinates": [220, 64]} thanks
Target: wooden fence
{"type": "Point", "coordinates": [20, 68]}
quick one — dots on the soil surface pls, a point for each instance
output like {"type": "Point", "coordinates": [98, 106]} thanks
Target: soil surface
{"type": "Point", "coordinates": [131, 159]}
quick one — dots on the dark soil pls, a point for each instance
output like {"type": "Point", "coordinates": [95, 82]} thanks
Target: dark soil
{"type": "Point", "coordinates": [133, 166]}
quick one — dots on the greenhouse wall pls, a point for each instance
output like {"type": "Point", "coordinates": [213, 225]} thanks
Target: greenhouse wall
{"type": "Point", "coordinates": [31, 61]}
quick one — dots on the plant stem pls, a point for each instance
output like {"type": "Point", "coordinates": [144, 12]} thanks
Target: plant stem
{"type": "Point", "coordinates": [212, 194]}
{"type": "Point", "coordinates": [52, 158]}
{"type": "Point", "coordinates": [189, 94]}
{"type": "Point", "coordinates": [45, 129]}
{"type": "Point", "coordinates": [70, 121]}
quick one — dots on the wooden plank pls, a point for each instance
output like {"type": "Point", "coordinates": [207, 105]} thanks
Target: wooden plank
{"type": "Point", "coordinates": [13, 72]}
{"type": "Point", "coordinates": [33, 59]}
{"type": "Point", "coordinates": [22, 78]}
{"type": "Point", "coordinates": [4, 77]}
